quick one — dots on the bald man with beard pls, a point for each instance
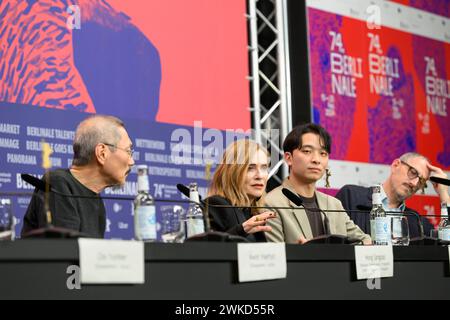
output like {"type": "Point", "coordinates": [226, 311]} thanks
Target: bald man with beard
{"type": "Point", "coordinates": [102, 158]}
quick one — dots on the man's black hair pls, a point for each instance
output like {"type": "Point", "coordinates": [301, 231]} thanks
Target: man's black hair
{"type": "Point", "coordinates": [294, 138]}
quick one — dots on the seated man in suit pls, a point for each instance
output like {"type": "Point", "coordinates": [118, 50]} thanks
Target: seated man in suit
{"type": "Point", "coordinates": [306, 151]}
{"type": "Point", "coordinates": [102, 158]}
{"type": "Point", "coordinates": [409, 174]}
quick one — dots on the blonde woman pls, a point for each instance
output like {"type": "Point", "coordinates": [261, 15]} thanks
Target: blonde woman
{"type": "Point", "coordinates": [240, 181]}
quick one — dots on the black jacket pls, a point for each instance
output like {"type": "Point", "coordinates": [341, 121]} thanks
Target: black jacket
{"type": "Point", "coordinates": [360, 198]}
{"type": "Point", "coordinates": [230, 220]}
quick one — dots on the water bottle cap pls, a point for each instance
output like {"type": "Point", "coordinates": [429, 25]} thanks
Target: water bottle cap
{"type": "Point", "coordinates": [142, 181]}
{"type": "Point", "coordinates": [376, 198]}
{"type": "Point", "coordinates": [141, 167]}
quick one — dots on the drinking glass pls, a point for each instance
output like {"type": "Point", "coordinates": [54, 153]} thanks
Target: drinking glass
{"type": "Point", "coordinates": [173, 225]}
{"type": "Point", "coordinates": [6, 220]}
{"type": "Point", "coordinates": [400, 231]}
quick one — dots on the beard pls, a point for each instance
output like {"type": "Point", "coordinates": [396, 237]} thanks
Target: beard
{"type": "Point", "coordinates": [407, 194]}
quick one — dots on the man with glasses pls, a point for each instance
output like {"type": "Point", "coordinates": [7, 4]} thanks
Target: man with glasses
{"type": "Point", "coordinates": [102, 158]}
{"type": "Point", "coordinates": [409, 174]}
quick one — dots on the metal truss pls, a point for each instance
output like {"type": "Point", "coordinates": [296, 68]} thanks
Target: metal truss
{"type": "Point", "coordinates": [270, 76]}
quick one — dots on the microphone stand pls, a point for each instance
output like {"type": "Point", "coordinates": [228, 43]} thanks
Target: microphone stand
{"type": "Point", "coordinates": [48, 214]}
{"type": "Point", "coordinates": [327, 238]}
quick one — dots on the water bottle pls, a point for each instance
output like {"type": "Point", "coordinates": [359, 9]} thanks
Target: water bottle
{"type": "Point", "coordinates": [144, 208]}
{"type": "Point", "coordinates": [444, 226]}
{"type": "Point", "coordinates": [380, 224]}
{"type": "Point", "coordinates": [194, 217]}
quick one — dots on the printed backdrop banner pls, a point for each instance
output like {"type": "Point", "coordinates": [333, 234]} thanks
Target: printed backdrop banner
{"type": "Point", "coordinates": [379, 81]}
{"type": "Point", "coordinates": [160, 66]}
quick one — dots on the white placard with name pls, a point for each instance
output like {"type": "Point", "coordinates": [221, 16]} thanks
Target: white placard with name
{"type": "Point", "coordinates": [261, 261]}
{"type": "Point", "coordinates": [374, 262]}
{"type": "Point", "coordinates": [111, 261]}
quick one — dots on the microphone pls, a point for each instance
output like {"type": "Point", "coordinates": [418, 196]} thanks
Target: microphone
{"type": "Point", "coordinates": [293, 197]}
{"type": "Point", "coordinates": [35, 182]}
{"type": "Point", "coordinates": [185, 190]}
{"type": "Point", "coordinates": [445, 182]}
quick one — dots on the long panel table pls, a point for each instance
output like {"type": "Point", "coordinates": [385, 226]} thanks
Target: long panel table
{"type": "Point", "coordinates": [38, 269]}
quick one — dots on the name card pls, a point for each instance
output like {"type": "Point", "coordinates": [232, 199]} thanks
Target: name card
{"type": "Point", "coordinates": [111, 261]}
{"type": "Point", "coordinates": [261, 261]}
{"type": "Point", "coordinates": [374, 262]}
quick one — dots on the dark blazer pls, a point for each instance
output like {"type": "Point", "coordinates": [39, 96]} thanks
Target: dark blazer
{"type": "Point", "coordinates": [230, 220]}
{"type": "Point", "coordinates": [360, 198]}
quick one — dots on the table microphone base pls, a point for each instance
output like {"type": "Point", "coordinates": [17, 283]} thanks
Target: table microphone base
{"type": "Point", "coordinates": [52, 232]}
{"type": "Point", "coordinates": [216, 236]}
{"type": "Point", "coordinates": [427, 241]}
{"type": "Point", "coordinates": [332, 239]}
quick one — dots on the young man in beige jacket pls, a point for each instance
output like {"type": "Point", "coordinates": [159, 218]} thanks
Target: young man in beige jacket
{"type": "Point", "coordinates": [306, 151]}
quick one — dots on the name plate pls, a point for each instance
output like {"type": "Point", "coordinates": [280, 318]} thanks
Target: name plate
{"type": "Point", "coordinates": [374, 262]}
{"type": "Point", "coordinates": [111, 261]}
{"type": "Point", "coordinates": [261, 261]}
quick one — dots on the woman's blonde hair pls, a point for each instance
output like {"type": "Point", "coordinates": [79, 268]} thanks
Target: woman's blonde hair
{"type": "Point", "coordinates": [229, 177]}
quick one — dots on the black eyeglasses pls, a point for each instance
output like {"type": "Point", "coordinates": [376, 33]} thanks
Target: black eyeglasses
{"type": "Point", "coordinates": [129, 151]}
{"type": "Point", "coordinates": [413, 174]}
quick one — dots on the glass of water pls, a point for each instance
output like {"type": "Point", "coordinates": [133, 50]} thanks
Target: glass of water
{"type": "Point", "coordinates": [6, 220]}
{"type": "Point", "coordinates": [400, 231]}
{"type": "Point", "coordinates": [173, 225]}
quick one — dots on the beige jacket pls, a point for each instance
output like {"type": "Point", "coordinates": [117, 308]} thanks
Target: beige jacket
{"type": "Point", "coordinates": [290, 224]}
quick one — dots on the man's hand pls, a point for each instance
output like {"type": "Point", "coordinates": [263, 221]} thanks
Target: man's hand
{"type": "Point", "coordinates": [440, 189]}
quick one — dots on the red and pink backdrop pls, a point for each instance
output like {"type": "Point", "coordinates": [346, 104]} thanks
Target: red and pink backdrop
{"type": "Point", "coordinates": [381, 90]}
{"type": "Point", "coordinates": [158, 65]}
